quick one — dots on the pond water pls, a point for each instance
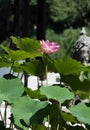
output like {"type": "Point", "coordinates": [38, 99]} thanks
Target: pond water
{"type": "Point", "coordinates": [33, 80]}
{"type": "Point", "coordinates": [4, 71]}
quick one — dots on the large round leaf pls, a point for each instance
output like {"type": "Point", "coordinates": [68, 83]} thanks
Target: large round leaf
{"type": "Point", "coordinates": [10, 90]}
{"type": "Point", "coordinates": [24, 108]}
{"type": "Point", "coordinates": [82, 112]}
{"type": "Point", "coordinates": [57, 93]}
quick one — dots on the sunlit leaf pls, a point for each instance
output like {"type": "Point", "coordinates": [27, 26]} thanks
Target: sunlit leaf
{"type": "Point", "coordinates": [18, 54]}
{"type": "Point", "coordinates": [81, 112]}
{"type": "Point", "coordinates": [57, 93]}
{"type": "Point", "coordinates": [10, 90]}
{"type": "Point", "coordinates": [5, 64]}
{"type": "Point", "coordinates": [28, 45]}
{"type": "Point", "coordinates": [24, 108]}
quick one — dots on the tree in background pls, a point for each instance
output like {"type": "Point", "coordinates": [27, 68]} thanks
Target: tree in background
{"type": "Point", "coordinates": [64, 21]}
{"type": "Point", "coordinates": [5, 19]}
{"type": "Point", "coordinates": [69, 13]}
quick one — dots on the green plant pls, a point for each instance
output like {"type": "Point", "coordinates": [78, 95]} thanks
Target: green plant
{"type": "Point", "coordinates": [34, 108]}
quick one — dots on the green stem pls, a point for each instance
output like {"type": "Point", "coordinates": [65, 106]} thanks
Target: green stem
{"type": "Point", "coordinates": [58, 127]}
{"type": "Point", "coordinates": [11, 67]}
{"type": "Point", "coordinates": [46, 75]}
{"type": "Point", "coordinates": [46, 70]}
{"type": "Point", "coordinates": [48, 122]}
{"type": "Point", "coordinates": [89, 97]}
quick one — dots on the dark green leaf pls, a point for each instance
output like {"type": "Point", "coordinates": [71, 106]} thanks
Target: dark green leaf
{"type": "Point", "coordinates": [5, 61]}
{"type": "Point", "coordinates": [54, 115]}
{"type": "Point", "coordinates": [67, 66]}
{"type": "Point", "coordinates": [75, 83]}
{"type": "Point", "coordinates": [38, 117]}
{"type": "Point", "coordinates": [2, 127]}
{"type": "Point", "coordinates": [9, 76]}
{"type": "Point", "coordinates": [17, 67]}
{"type": "Point", "coordinates": [34, 67]}
{"type": "Point", "coordinates": [38, 127]}
{"type": "Point", "coordinates": [35, 94]}
{"type": "Point", "coordinates": [68, 117]}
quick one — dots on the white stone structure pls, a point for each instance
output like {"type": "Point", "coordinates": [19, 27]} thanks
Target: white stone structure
{"type": "Point", "coordinates": [82, 48]}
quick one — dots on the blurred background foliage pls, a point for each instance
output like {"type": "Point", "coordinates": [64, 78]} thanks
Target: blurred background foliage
{"type": "Point", "coordinates": [64, 20]}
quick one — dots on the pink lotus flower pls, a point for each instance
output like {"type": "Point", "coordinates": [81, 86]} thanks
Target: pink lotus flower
{"type": "Point", "coordinates": [48, 47]}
